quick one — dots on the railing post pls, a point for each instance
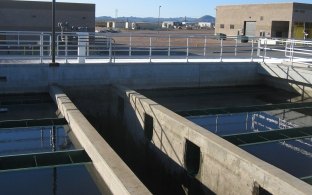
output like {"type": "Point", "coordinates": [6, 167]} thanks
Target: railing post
{"type": "Point", "coordinates": [205, 45]}
{"type": "Point", "coordinates": [169, 46]}
{"type": "Point", "coordinates": [221, 50]}
{"type": "Point", "coordinates": [18, 38]}
{"type": "Point", "coordinates": [265, 49]}
{"type": "Point", "coordinates": [41, 48]}
{"type": "Point", "coordinates": [110, 50]}
{"type": "Point", "coordinates": [130, 45]}
{"type": "Point", "coordinates": [259, 48]}
{"type": "Point", "coordinates": [57, 45]}
{"type": "Point", "coordinates": [88, 48]}
{"type": "Point", "coordinates": [66, 49]}
{"type": "Point", "coordinates": [150, 50]}
{"type": "Point", "coordinates": [292, 51]}
{"type": "Point", "coordinates": [50, 44]}
{"type": "Point", "coordinates": [252, 50]}
{"type": "Point", "coordinates": [235, 50]}
{"type": "Point", "coordinates": [187, 49]}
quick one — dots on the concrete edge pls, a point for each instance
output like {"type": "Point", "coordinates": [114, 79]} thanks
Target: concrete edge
{"type": "Point", "coordinates": [294, 185]}
{"type": "Point", "coordinates": [115, 173]}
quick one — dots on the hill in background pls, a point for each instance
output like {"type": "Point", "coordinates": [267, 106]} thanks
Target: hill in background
{"type": "Point", "coordinates": [205, 18]}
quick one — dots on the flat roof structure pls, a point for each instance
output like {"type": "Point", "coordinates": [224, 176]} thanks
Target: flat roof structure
{"type": "Point", "coordinates": [37, 16]}
{"type": "Point", "coordinates": [282, 20]}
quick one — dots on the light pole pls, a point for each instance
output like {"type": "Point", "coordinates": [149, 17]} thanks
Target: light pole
{"type": "Point", "coordinates": [159, 16]}
{"type": "Point", "coordinates": [53, 35]}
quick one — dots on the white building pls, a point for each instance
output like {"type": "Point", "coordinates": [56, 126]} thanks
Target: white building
{"type": "Point", "coordinates": [144, 26]}
{"type": "Point", "coordinates": [167, 24]}
{"type": "Point", "coordinates": [116, 24]}
{"type": "Point", "coordinates": [205, 24]}
{"type": "Point", "coordinates": [171, 24]}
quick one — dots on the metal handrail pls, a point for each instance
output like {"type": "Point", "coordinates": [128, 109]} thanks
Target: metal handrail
{"type": "Point", "coordinates": [111, 46]}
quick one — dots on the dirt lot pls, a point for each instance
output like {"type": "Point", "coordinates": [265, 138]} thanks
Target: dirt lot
{"type": "Point", "coordinates": [162, 38]}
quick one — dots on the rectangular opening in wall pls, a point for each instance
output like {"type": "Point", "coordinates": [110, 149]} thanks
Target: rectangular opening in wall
{"type": "Point", "coordinates": [232, 26]}
{"type": "Point", "coordinates": [148, 126]}
{"type": "Point", "coordinates": [263, 191]}
{"type": "Point", "coordinates": [221, 25]}
{"type": "Point", "coordinates": [258, 190]}
{"type": "Point", "coordinates": [192, 158]}
{"type": "Point", "coordinates": [280, 29]}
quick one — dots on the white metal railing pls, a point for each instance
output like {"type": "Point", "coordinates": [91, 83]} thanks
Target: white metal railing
{"type": "Point", "coordinates": [295, 51]}
{"type": "Point", "coordinates": [111, 46]}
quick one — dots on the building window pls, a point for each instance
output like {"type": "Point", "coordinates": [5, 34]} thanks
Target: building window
{"type": "Point", "coordinates": [232, 26]}
{"type": "Point", "coordinates": [221, 25]}
{"type": "Point", "coordinates": [261, 18]}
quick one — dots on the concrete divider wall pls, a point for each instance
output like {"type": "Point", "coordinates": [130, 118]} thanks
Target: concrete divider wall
{"type": "Point", "coordinates": [115, 173]}
{"type": "Point", "coordinates": [224, 168]}
{"type": "Point", "coordinates": [283, 71]}
{"type": "Point", "coordinates": [291, 78]}
{"type": "Point", "coordinates": [37, 77]}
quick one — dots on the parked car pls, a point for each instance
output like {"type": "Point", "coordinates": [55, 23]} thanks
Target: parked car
{"type": "Point", "coordinates": [242, 38]}
{"type": "Point", "coordinates": [221, 36]}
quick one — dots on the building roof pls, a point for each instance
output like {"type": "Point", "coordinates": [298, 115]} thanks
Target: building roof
{"type": "Point", "coordinates": [261, 4]}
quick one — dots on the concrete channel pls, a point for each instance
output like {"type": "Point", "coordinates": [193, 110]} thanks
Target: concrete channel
{"type": "Point", "coordinates": [137, 141]}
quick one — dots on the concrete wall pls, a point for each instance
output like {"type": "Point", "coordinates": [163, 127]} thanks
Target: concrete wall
{"type": "Point", "coordinates": [23, 78]}
{"type": "Point", "coordinates": [115, 173]}
{"type": "Point", "coordinates": [291, 78]}
{"type": "Point", "coordinates": [37, 16]}
{"type": "Point", "coordinates": [224, 168]}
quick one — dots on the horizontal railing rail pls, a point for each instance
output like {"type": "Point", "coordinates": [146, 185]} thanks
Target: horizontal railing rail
{"type": "Point", "coordinates": [82, 46]}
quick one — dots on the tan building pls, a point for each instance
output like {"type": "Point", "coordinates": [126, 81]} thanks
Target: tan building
{"type": "Point", "coordinates": [37, 16]}
{"type": "Point", "coordinates": [286, 20]}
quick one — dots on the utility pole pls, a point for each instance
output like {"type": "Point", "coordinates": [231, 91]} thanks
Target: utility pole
{"type": "Point", "coordinates": [53, 35]}
{"type": "Point", "coordinates": [159, 17]}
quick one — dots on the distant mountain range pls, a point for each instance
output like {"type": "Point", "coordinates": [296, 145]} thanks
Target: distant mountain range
{"type": "Point", "coordinates": [205, 18]}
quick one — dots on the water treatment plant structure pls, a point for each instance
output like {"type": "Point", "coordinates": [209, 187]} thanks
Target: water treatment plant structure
{"type": "Point", "coordinates": [154, 114]}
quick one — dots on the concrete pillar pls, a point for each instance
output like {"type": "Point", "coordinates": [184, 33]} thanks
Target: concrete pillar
{"type": "Point", "coordinates": [83, 42]}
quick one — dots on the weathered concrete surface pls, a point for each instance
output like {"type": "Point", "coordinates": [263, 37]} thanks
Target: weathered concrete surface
{"type": "Point", "coordinates": [294, 74]}
{"type": "Point", "coordinates": [224, 168]}
{"type": "Point", "coordinates": [37, 77]}
{"type": "Point", "coordinates": [284, 76]}
{"type": "Point", "coordinates": [115, 173]}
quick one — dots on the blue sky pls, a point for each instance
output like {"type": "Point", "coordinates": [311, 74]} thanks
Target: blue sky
{"type": "Point", "coordinates": [170, 8]}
